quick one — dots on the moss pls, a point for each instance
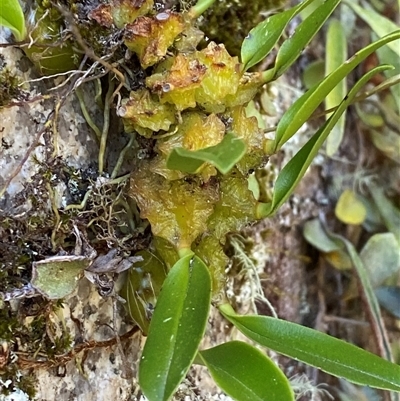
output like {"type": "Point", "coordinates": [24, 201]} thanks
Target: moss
{"type": "Point", "coordinates": [8, 86]}
{"type": "Point", "coordinates": [28, 334]}
{"type": "Point", "coordinates": [23, 381]}
{"type": "Point", "coordinates": [229, 21]}
{"type": "Point", "coordinates": [8, 323]}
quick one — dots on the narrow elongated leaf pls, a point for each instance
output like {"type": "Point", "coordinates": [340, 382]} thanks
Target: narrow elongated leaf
{"type": "Point", "coordinates": [292, 47]}
{"type": "Point", "coordinates": [314, 73]}
{"type": "Point", "coordinates": [369, 295]}
{"type": "Point", "coordinates": [295, 169]}
{"type": "Point", "coordinates": [12, 17]}
{"type": "Point", "coordinates": [387, 56]}
{"type": "Point", "coordinates": [386, 84]}
{"type": "Point", "coordinates": [176, 328]}
{"type": "Point", "coordinates": [262, 39]}
{"type": "Point", "coordinates": [381, 26]}
{"type": "Point", "coordinates": [335, 55]}
{"type": "Point", "coordinates": [223, 156]}
{"type": "Point", "coordinates": [318, 349]}
{"type": "Point", "coordinates": [303, 107]}
{"type": "Point", "coordinates": [378, 23]}
{"type": "Point", "coordinates": [245, 373]}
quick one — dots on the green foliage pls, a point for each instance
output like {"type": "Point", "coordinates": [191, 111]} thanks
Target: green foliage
{"type": "Point", "coordinates": [9, 88]}
{"type": "Point", "coordinates": [318, 349]}
{"type": "Point", "coordinates": [295, 169]}
{"type": "Point", "coordinates": [229, 21]}
{"type": "Point", "coordinates": [303, 107]}
{"type": "Point", "coordinates": [56, 277]}
{"type": "Point", "coordinates": [12, 17]}
{"type": "Point", "coordinates": [294, 45]}
{"type": "Point", "coordinates": [336, 54]}
{"type": "Point", "coordinates": [176, 328]}
{"type": "Point", "coordinates": [142, 288]}
{"type": "Point", "coordinates": [47, 30]}
{"type": "Point", "coordinates": [390, 212]}
{"type": "Point", "coordinates": [223, 156]}
{"type": "Point", "coordinates": [381, 25]}
{"type": "Point", "coordinates": [245, 373]}
{"type": "Point", "coordinates": [262, 39]}
{"type": "Point", "coordinates": [375, 264]}
{"type": "Point", "coordinates": [195, 190]}
{"type": "Point", "coordinates": [370, 298]}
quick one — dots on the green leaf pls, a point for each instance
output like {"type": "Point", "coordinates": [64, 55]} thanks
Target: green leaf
{"type": "Point", "coordinates": [378, 23]}
{"type": "Point", "coordinates": [176, 328]}
{"type": "Point", "coordinates": [387, 84]}
{"type": "Point", "coordinates": [223, 156]}
{"type": "Point", "coordinates": [335, 55]}
{"type": "Point", "coordinates": [381, 26]}
{"type": "Point", "coordinates": [142, 286]}
{"type": "Point", "coordinates": [315, 234]}
{"type": "Point", "coordinates": [295, 169]}
{"type": "Point", "coordinates": [313, 73]}
{"type": "Point", "coordinates": [389, 212]}
{"type": "Point", "coordinates": [303, 107]}
{"type": "Point", "coordinates": [262, 39]}
{"type": "Point", "coordinates": [57, 276]}
{"type": "Point", "coordinates": [387, 56]}
{"type": "Point", "coordinates": [318, 349]}
{"type": "Point", "coordinates": [389, 298]}
{"type": "Point", "coordinates": [292, 47]}
{"type": "Point", "coordinates": [368, 294]}
{"type": "Point", "coordinates": [12, 17]}
{"type": "Point", "coordinates": [381, 258]}
{"type": "Point", "coordinates": [245, 373]}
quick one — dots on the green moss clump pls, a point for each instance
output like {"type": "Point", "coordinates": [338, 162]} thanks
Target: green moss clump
{"type": "Point", "coordinates": [229, 21]}
{"type": "Point", "coordinates": [19, 331]}
{"type": "Point", "coordinates": [47, 30]}
{"type": "Point", "coordinates": [24, 382]}
{"type": "Point", "coordinates": [8, 86]}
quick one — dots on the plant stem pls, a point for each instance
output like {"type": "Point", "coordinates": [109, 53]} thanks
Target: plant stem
{"type": "Point", "coordinates": [121, 156]}
{"type": "Point", "coordinates": [106, 125]}
{"type": "Point", "coordinates": [200, 7]}
{"type": "Point", "coordinates": [86, 115]}
{"type": "Point", "coordinates": [81, 205]}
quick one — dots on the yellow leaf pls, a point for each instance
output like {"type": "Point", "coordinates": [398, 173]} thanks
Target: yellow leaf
{"type": "Point", "coordinates": [349, 209]}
